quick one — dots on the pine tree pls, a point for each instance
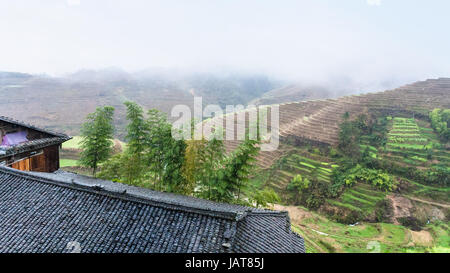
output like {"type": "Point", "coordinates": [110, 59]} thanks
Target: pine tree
{"type": "Point", "coordinates": [97, 138]}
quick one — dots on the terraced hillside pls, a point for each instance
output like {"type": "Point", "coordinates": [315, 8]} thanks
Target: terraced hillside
{"type": "Point", "coordinates": [309, 132]}
{"type": "Point", "coordinates": [296, 93]}
{"type": "Point", "coordinates": [308, 163]}
{"type": "Point", "coordinates": [317, 121]}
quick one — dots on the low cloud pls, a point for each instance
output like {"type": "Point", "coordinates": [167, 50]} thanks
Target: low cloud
{"type": "Point", "coordinates": [374, 2]}
{"type": "Point", "coordinates": [73, 2]}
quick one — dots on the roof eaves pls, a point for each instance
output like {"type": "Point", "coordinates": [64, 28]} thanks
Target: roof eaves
{"type": "Point", "coordinates": [27, 125]}
{"type": "Point", "coordinates": [31, 145]}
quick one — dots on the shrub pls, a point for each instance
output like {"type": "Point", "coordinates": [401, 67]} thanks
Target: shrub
{"type": "Point", "coordinates": [383, 211]}
{"type": "Point", "coordinates": [411, 222]}
{"type": "Point", "coordinates": [376, 178]}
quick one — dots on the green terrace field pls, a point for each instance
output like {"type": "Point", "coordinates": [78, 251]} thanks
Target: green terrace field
{"type": "Point", "coordinates": [414, 145]}
{"type": "Point", "coordinates": [298, 161]}
{"type": "Point", "coordinates": [361, 198]}
{"type": "Point", "coordinates": [440, 194]}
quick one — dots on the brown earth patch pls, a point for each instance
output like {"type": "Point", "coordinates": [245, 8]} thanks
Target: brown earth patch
{"type": "Point", "coordinates": [402, 207]}
{"type": "Point", "coordinates": [422, 237]}
{"type": "Point", "coordinates": [295, 213]}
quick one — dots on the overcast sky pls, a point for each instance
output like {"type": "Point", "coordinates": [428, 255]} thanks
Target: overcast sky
{"type": "Point", "coordinates": [370, 40]}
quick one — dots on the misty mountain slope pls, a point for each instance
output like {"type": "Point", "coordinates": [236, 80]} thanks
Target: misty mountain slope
{"type": "Point", "coordinates": [410, 151]}
{"type": "Point", "coordinates": [62, 103]}
{"type": "Point", "coordinates": [294, 93]}
{"type": "Point", "coordinates": [317, 121]}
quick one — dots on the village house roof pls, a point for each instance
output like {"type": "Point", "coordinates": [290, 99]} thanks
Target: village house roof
{"type": "Point", "coordinates": [51, 138]}
{"type": "Point", "coordinates": [50, 212]}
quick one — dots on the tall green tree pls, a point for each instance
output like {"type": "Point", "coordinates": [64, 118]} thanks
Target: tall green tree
{"type": "Point", "coordinates": [97, 138]}
{"type": "Point", "coordinates": [440, 121]}
{"type": "Point", "coordinates": [193, 163]}
{"type": "Point", "coordinates": [173, 171]}
{"type": "Point", "coordinates": [349, 139]}
{"type": "Point", "coordinates": [137, 129]}
{"type": "Point", "coordinates": [157, 142]}
{"type": "Point", "coordinates": [233, 177]}
{"type": "Point", "coordinates": [212, 160]}
{"type": "Point", "coordinates": [165, 154]}
{"type": "Point", "coordinates": [137, 134]}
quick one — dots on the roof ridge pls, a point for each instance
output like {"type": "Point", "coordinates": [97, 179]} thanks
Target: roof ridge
{"type": "Point", "coordinates": [146, 196]}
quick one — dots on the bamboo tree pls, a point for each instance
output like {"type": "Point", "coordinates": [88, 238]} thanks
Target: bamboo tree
{"type": "Point", "coordinates": [157, 142]}
{"type": "Point", "coordinates": [165, 154]}
{"type": "Point", "coordinates": [97, 138]}
{"type": "Point", "coordinates": [137, 133]}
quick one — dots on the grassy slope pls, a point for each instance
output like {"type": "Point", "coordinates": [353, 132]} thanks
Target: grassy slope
{"type": "Point", "coordinates": [74, 143]}
{"type": "Point", "coordinates": [324, 235]}
{"type": "Point", "coordinates": [67, 163]}
{"type": "Point", "coordinates": [70, 151]}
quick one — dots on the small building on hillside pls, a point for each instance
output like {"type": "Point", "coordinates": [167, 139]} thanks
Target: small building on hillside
{"type": "Point", "coordinates": [28, 148]}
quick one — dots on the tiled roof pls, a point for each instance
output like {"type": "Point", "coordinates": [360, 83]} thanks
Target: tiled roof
{"type": "Point", "coordinates": [31, 145]}
{"type": "Point", "coordinates": [27, 125]}
{"type": "Point", "coordinates": [54, 138]}
{"type": "Point", "coordinates": [46, 212]}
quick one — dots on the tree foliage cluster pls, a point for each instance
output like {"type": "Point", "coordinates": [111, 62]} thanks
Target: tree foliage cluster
{"type": "Point", "coordinates": [310, 193]}
{"type": "Point", "coordinates": [440, 121]}
{"type": "Point", "coordinates": [155, 159]}
{"type": "Point", "coordinates": [97, 135]}
{"type": "Point", "coordinates": [376, 178]}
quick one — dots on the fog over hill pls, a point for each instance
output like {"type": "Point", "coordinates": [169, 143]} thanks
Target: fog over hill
{"type": "Point", "coordinates": [61, 103]}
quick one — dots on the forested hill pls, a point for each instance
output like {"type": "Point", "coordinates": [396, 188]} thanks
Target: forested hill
{"type": "Point", "coordinates": [62, 103]}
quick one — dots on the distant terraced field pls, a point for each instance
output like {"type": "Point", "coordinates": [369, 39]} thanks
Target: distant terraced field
{"type": "Point", "coordinates": [317, 121]}
{"type": "Point", "coordinates": [414, 145]}
{"type": "Point", "coordinates": [308, 129]}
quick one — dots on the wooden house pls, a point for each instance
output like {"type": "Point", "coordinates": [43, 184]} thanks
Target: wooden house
{"type": "Point", "coordinates": [28, 148]}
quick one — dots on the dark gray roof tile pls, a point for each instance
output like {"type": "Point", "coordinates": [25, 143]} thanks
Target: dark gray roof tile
{"type": "Point", "coordinates": [45, 212]}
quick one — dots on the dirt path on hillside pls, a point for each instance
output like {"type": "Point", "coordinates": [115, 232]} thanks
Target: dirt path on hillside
{"type": "Point", "coordinates": [295, 213]}
{"type": "Point", "coordinates": [430, 202]}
